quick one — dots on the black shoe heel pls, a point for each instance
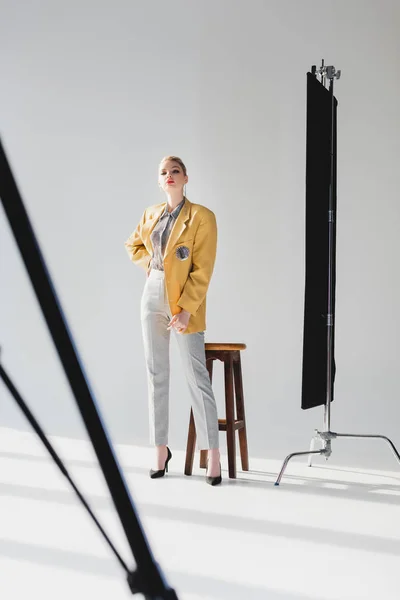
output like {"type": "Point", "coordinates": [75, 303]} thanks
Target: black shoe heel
{"type": "Point", "coordinates": [161, 472]}
{"type": "Point", "coordinates": [215, 480]}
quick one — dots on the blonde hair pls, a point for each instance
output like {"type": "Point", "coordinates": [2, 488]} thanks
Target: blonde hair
{"type": "Point", "coordinates": [177, 160]}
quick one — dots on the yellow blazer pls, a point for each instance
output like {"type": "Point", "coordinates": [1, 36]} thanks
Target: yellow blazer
{"type": "Point", "coordinates": [189, 257]}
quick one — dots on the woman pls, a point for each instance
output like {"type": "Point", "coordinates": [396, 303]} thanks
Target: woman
{"type": "Point", "coordinates": [175, 242]}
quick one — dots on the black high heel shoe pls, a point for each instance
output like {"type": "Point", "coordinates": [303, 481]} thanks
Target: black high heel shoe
{"type": "Point", "coordinates": [214, 480]}
{"type": "Point", "coordinates": [161, 472]}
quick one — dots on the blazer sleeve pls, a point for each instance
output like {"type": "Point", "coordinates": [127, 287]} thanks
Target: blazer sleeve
{"type": "Point", "coordinates": [203, 260]}
{"type": "Point", "coordinates": [135, 247]}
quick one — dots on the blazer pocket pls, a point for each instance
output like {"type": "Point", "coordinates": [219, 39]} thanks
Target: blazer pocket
{"type": "Point", "coordinates": [185, 242]}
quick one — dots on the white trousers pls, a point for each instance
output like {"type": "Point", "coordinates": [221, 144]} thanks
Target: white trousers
{"type": "Point", "coordinates": [155, 316]}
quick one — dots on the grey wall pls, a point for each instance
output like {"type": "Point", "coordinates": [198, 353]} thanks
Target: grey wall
{"type": "Point", "coordinates": [94, 93]}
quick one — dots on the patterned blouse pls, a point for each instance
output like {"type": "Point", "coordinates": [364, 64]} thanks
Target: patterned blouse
{"type": "Point", "coordinates": [160, 235]}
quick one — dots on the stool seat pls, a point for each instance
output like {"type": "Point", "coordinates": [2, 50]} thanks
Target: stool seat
{"type": "Point", "coordinates": [225, 347]}
{"type": "Point", "coordinates": [229, 354]}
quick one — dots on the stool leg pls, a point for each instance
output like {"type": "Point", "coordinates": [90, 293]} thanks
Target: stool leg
{"type": "Point", "coordinates": [204, 453]}
{"type": "Point", "coordinates": [190, 448]}
{"type": "Point", "coordinates": [203, 459]}
{"type": "Point", "coordinates": [244, 453]}
{"type": "Point", "coordinates": [230, 416]}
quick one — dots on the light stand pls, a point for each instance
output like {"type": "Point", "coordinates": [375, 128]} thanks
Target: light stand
{"type": "Point", "coordinates": [326, 435]}
{"type": "Point", "coordinates": [148, 578]}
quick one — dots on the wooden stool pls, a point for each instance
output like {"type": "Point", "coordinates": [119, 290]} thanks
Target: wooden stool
{"type": "Point", "coordinates": [229, 354]}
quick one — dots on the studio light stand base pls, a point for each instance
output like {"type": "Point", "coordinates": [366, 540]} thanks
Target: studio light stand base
{"type": "Point", "coordinates": [326, 437]}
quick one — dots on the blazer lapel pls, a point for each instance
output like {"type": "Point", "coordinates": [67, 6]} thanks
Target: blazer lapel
{"type": "Point", "coordinates": [179, 227]}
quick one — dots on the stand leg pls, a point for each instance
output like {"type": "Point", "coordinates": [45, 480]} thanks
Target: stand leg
{"type": "Point", "coordinates": [372, 436]}
{"type": "Point", "coordinates": [312, 448]}
{"type": "Point", "coordinates": [285, 462]}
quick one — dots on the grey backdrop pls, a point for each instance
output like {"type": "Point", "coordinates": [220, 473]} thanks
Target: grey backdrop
{"type": "Point", "coordinates": [94, 93]}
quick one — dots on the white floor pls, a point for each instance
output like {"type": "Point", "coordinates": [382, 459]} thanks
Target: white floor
{"type": "Point", "coordinates": [325, 533]}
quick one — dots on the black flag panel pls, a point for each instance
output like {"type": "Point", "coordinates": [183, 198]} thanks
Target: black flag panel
{"type": "Point", "coordinates": [318, 181]}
